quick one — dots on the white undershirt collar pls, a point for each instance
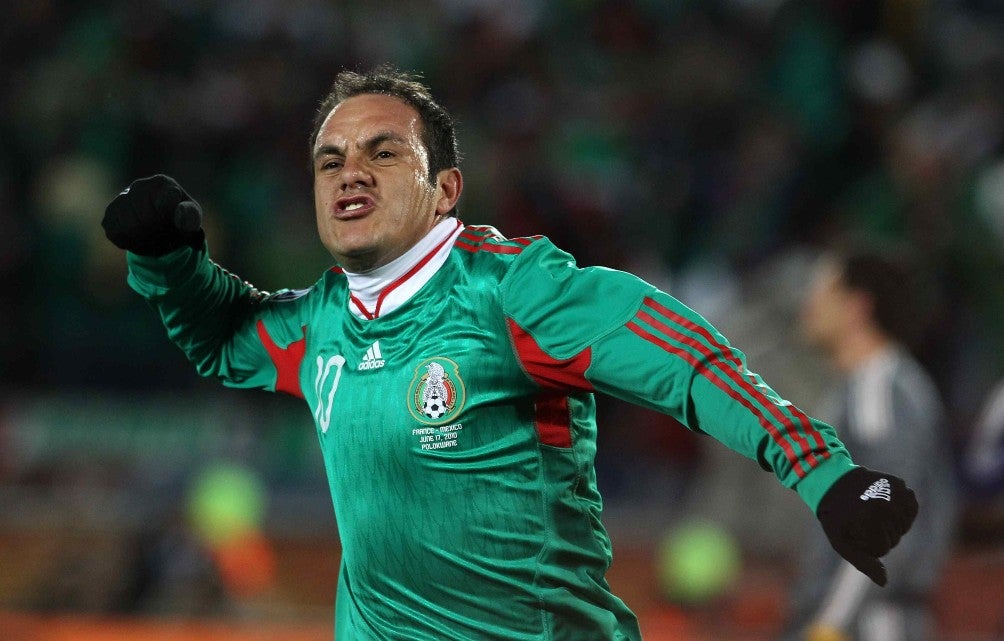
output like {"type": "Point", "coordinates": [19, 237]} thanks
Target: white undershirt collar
{"type": "Point", "coordinates": [382, 290]}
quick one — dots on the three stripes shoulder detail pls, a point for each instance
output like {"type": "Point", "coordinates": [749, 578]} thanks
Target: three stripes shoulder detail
{"type": "Point", "coordinates": [477, 238]}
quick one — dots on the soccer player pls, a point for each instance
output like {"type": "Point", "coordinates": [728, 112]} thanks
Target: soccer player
{"type": "Point", "coordinates": [450, 373]}
{"type": "Point", "coordinates": [862, 311]}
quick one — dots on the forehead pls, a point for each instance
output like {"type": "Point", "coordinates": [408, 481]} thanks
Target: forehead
{"type": "Point", "coordinates": [357, 118]}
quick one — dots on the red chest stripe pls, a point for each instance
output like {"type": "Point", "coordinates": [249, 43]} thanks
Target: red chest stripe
{"type": "Point", "coordinates": [558, 377]}
{"type": "Point", "coordinates": [567, 375]}
{"type": "Point", "coordinates": [286, 360]}
{"type": "Point", "coordinates": [552, 420]}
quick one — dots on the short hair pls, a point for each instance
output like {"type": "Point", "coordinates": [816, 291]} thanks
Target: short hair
{"type": "Point", "coordinates": [438, 131]}
{"type": "Point", "coordinates": [892, 276]}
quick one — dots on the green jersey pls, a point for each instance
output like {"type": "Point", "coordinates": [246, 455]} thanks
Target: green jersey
{"type": "Point", "coordinates": [455, 412]}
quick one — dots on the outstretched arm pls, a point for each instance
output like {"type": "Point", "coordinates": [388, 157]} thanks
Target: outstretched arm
{"type": "Point", "coordinates": [630, 340]}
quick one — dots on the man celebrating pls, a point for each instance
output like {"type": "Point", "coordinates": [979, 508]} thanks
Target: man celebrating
{"type": "Point", "coordinates": [451, 372]}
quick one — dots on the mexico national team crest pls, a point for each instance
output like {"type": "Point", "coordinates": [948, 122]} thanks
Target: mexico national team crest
{"type": "Point", "coordinates": [437, 393]}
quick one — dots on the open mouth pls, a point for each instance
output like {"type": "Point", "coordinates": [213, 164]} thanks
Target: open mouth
{"type": "Point", "coordinates": [353, 206]}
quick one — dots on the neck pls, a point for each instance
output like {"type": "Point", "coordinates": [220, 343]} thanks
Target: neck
{"type": "Point", "coordinates": [382, 289]}
{"type": "Point", "coordinates": [365, 263]}
{"type": "Point", "coordinates": [857, 347]}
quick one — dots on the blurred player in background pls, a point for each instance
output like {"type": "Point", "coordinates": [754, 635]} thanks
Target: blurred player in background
{"type": "Point", "coordinates": [450, 373]}
{"type": "Point", "coordinates": [983, 459]}
{"type": "Point", "coordinates": [863, 310]}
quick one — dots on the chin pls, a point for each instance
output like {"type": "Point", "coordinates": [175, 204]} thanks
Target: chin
{"type": "Point", "coordinates": [347, 255]}
{"type": "Point", "coordinates": [343, 249]}
{"type": "Point", "coordinates": [350, 247]}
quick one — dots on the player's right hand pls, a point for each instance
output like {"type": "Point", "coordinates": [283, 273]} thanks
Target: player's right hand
{"type": "Point", "coordinates": [154, 216]}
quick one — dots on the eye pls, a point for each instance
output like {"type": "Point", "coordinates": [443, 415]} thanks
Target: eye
{"type": "Point", "coordinates": [331, 164]}
{"type": "Point", "coordinates": [383, 154]}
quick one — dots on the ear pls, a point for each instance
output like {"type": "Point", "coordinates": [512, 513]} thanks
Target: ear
{"type": "Point", "coordinates": [451, 184]}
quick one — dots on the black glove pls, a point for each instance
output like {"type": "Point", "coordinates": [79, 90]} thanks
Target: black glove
{"type": "Point", "coordinates": [154, 216]}
{"type": "Point", "coordinates": [864, 515]}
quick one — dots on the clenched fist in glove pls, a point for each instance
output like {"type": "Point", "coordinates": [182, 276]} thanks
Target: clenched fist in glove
{"type": "Point", "coordinates": [154, 216]}
{"type": "Point", "coordinates": [864, 515]}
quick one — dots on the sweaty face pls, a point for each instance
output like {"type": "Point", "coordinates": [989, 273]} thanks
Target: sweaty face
{"type": "Point", "coordinates": [372, 193]}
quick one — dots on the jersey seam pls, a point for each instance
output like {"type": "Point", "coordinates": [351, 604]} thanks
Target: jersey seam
{"type": "Point", "coordinates": [514, 352]}
{"type": "Point", "coordinates": [627, 315]}
{"type": "Point", "coordinates": [548, 528]}
{"type": "Point", "coordinates": [548, 537]}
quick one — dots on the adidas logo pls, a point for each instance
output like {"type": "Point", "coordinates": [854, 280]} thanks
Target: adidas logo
{"type": "Point", "coordinates": [880, 489]}
{"type": "Point", "coordinates": [373, 358]}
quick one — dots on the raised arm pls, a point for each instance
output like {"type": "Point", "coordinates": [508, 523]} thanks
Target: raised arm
{"type": "Point", "coordinates": [226, 327]}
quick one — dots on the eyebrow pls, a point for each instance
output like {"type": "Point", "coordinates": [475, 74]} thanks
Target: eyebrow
{"type": "Point", "coordinates": [375, 141]}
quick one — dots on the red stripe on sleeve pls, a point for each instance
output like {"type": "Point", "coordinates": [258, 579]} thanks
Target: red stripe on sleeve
{"type": "Point", "coordinates": [716, 359]}
{"type": "Point", "coordinates": [735, 374]}
{"type": "Point", "coordinates": [552, 420]}
{"type": "Point", "coordinates": [715, 379]}
{"type": "Point", "coordinates": [286, 360]}
{"type": "Point", "coordinates": [501, 249]}
{"type": "Point", "coordinates": [467, 234]}
{"type": "Point", "coordinates": [471, 239]}
{"type": "Point", "coordinates": [475, 239]}
{"type": "Point", "coordinates": [552, 373]}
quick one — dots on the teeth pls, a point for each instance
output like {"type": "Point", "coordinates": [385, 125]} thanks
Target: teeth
{"type": "Point", "coordinates": [352, 206]}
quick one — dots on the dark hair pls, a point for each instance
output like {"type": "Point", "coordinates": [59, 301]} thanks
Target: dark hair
{"type": "Point", "coordinates": [902, 296]}
{"type": "Point", "coordinates": [438, 133]}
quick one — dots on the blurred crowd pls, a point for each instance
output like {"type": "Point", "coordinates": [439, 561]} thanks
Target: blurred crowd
{"type": "Point", "coordinates": [711, 147]}
{"type": "Point", "coordinates": [666, 137]}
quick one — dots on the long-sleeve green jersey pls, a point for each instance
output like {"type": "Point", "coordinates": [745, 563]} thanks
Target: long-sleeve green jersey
{"type": "Point", "coordinates": [458, 429]}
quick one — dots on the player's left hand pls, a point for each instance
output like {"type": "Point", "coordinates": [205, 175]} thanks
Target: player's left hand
{"type": "Point", "coordinates": [864, 515]}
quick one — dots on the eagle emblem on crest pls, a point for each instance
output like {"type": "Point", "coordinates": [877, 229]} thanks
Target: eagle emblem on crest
{"type": "Point", "coordinates": [437, 393]}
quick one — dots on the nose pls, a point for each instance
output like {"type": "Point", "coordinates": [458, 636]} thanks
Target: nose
{"type": "Point", "coordinates": [355, 173]}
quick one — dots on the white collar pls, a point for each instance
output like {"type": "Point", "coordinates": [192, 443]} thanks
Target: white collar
{"type": "Point", "coordinates": [380, 291]}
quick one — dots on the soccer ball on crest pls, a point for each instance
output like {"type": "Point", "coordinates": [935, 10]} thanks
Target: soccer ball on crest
{"type": "Point", "coordinates": [434, 407]}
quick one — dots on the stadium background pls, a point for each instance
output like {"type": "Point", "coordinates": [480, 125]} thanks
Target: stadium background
{"type": "Point", "coordinates": [711, 147]}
